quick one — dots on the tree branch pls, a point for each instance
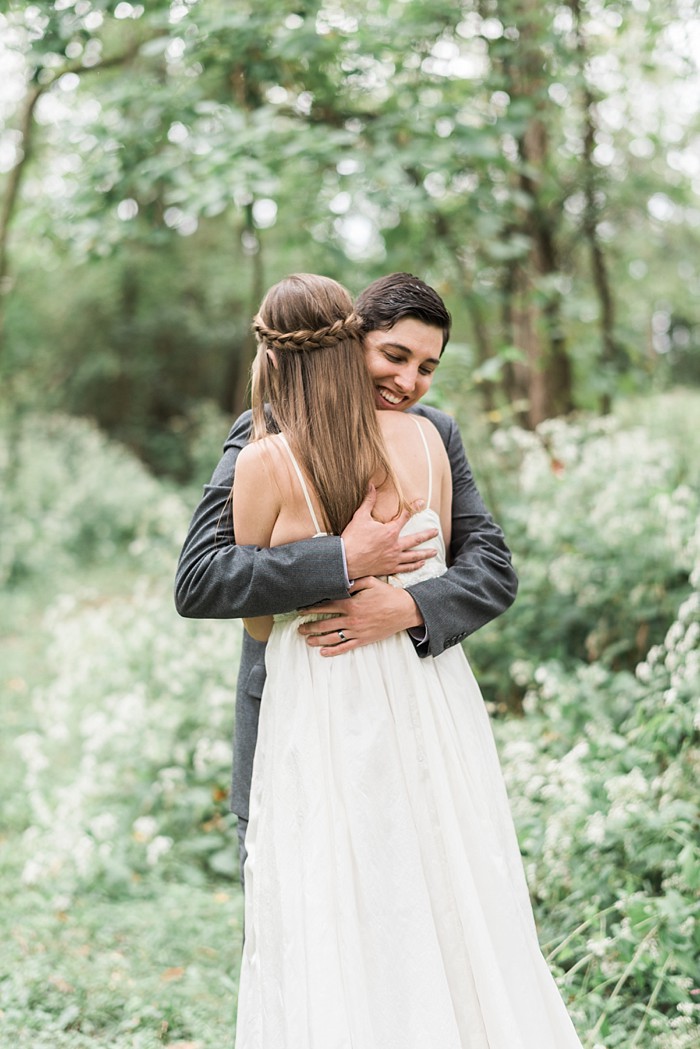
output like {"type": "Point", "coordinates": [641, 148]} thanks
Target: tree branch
{"type": "Point", "coordinates": [26, 128]}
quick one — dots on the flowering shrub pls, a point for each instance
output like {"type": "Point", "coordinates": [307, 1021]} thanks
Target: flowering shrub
{"type": "Point", "coordinates": [602, 774]}
{"type": "Point", "coordinates": [71, 498]}
{"type": "Point", "coordinates": [129, 767]}
{"type": "Point", "coordinates": [602, 523]}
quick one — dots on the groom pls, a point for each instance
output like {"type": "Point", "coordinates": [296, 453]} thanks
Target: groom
{"type": "Point", "coordinates": [406, 326]}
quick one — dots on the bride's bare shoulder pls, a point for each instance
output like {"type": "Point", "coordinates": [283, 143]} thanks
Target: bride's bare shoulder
{"type": "Point", "coordinates": [262, 454]}
{"type": "Point", "coordinates": [400, 424]}
{"type": "Point", "coordinates": [391, 423]}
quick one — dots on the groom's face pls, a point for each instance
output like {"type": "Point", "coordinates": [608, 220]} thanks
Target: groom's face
{"type": "Point", "coordinates": [402, 361]}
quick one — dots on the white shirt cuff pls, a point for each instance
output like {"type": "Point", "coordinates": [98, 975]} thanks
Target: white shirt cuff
{"type": "Point", "coordinates": [348, 582]}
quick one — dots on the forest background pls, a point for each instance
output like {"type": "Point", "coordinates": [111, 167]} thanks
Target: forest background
{"type": "Point", "coordinates": [161, 164]}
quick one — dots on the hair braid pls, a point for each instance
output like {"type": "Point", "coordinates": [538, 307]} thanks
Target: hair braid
{"type": "Point", "coordinates": [305, 338]}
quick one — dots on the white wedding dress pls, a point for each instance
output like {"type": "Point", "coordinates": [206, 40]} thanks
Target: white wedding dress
{"type": "Point", "coordinates": [386, 905]}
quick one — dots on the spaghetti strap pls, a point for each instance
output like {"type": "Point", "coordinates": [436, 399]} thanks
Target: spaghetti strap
{"type": "Point", "coordinates": [430, 461]}
{"type": "Point", "coordinates": [304, 489]}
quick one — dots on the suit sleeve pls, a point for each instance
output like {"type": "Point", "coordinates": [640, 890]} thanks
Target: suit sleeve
{"type": "Point", "coordinates": [216, 579]}
{"type": "Point", "coordinates": [481, 582]}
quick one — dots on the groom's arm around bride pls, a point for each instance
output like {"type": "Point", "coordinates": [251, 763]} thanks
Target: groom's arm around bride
{"type": "Point", "coordinates": [407, 326]}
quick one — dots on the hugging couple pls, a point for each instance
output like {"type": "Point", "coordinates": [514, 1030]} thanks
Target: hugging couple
{"type": "Point", "coordinates": [385, 901]}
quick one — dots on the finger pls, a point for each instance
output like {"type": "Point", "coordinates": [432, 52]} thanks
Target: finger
{"type": "Point", "coordinates": [324, 610]}
{"type": "Point", "coordinates": [409, 542]}
{"type": "Point", "coordinates": [412, 567]}
{"type": "Point", "coordinates": [398, 522]}
{"type": "Point", "coordinates": [411, 561]}
{"type": "Point", "coordinates": [323, 627]}
{"type": "Point", "coordinates": [329, 640]}
{"type": "Point", "coordinates": [412, 556]}
{"type": "Point", "coordinates": [339, 650]}
{"type": "Point", "coordinates": [326, 640]}
{"type": "Point", "coordinates": [367, 504]}
{"type": "Point", "coordinates": [368, 582]}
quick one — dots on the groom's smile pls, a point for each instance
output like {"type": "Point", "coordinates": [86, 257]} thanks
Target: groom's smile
{"type": "Point", "coordinates": [402, 361]}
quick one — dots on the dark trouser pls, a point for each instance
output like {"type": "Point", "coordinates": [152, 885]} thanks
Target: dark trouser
{"type": "Point", "coordinates": [242, 854]}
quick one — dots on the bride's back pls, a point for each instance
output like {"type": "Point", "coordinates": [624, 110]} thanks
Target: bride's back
{"type": "Point", "coordinates": [417, 456]}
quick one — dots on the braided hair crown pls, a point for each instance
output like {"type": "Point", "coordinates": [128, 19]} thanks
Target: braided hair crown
{"type": "Point", "coordinates": [307, 338]}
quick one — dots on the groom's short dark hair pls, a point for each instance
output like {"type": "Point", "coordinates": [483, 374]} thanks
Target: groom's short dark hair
{"type": "Point", "coordinates": [389, 299]}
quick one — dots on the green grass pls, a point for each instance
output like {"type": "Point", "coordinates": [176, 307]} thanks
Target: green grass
{"type": "Point", "coordinates": [149, 970]}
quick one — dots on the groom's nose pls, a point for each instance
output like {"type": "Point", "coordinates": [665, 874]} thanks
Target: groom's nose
{"type": "Point", "coordinates": [406, 379]}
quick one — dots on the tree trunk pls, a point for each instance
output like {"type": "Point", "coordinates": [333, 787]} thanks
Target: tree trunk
{"type": "Point", "coordinates": [533, 311]}
{"type": "Point", "coordinates": [611, 353]}
{"type": "Point", "coordinates": [11, 196]}
{"type": "Point", "coordinates": [253, 246]}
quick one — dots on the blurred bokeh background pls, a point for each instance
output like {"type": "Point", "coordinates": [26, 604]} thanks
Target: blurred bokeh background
{"type": "Point", "coordinates": [161, 164]}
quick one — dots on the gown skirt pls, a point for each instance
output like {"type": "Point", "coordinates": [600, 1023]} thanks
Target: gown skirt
{"type": "Point", "coordinates": [386, 903]}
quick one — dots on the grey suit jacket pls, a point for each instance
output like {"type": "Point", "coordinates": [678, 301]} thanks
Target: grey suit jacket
{"type": "Point", "coordinates": [218, 580]}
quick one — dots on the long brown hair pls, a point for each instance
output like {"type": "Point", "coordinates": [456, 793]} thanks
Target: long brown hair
{"type": "Point", "coordinates": [318, 392]}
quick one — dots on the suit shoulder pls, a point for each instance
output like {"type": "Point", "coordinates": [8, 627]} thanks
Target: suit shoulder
{"type": "Point", "coordinates": [436, 415]}
{"type": "Point", "coordinates": [239, 434]}
{"type": "Point", "coordinates": [443, 423]}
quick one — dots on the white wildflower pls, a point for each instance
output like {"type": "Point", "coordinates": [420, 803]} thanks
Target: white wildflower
{"type": "Point", "coordinates": [144, 828]}
{"type": "Point", "coordinates": [103, 826]}
{"type": "Point", "coordinates": [34, 870]}
{"type": "Point", "coordinates": [599, 946]}
{"type": "Point", "coordinates": [521, 672]}
{"type": "Point", "coordinates": [83, 854]}
{"type": "Point", "coordinates": [30, 747]}
{"type": "Point", "coordinates": [643, 672]}
{"type": "Point", "coordinates": [211, 754]}
{"type": "Point", "coordinates": [654, 655]}
{"type": "Point", "coordinates": [158, 848]}
{"type": "Point", "coordinates": [595, 829]}
{"type": "Point", "coordinates": [530, 701]}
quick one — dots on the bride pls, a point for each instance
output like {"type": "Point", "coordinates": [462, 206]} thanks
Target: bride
{"type": "Point", "coordinates": [386, 905]}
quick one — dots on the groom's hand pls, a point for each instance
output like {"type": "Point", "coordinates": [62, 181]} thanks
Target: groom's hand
{"type": "Point", "coordinates": [374, 549]}
{"type": "Point", "coordinates": [375, 611]}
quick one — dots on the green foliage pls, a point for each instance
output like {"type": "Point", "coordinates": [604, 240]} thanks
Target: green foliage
{"type": "Point", "coordinates": [602, 775]}
{"type": "Point", "coordinates": [222, 145]}
{"type": "Point", "coordinates": [136, 725]}
{"type": "Point", "coordinates": [602, 525]}
{"type": "Point", "coordinates": [157, 968]}
{"type": "Point", "coordinates": [135, 721]}
{"type": "Point", "coordinates": [603, 651]}
{"type": "Point", "coordinates": [121, 742]}
{"type": "Point", "coordinates": [116, 344]}
{"type": "Point", "coordinates": [72, 499]}
{"type": "Point", "coordinates": [136, 717]}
